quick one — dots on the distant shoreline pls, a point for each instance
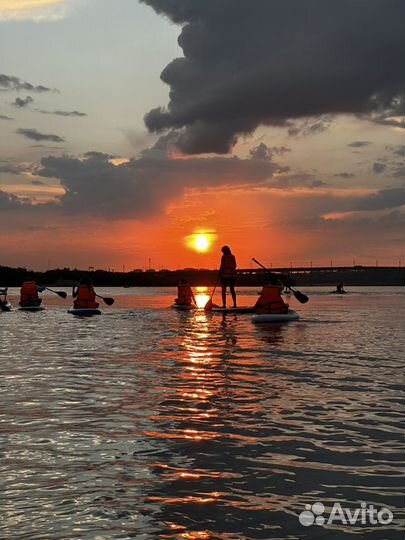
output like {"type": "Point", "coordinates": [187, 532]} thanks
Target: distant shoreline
{"type": "Point", "coordinates": [328, 277]}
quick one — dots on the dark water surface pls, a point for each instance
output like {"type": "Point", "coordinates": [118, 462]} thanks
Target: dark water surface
{"type": "Point", "coordinates": [148, 423]}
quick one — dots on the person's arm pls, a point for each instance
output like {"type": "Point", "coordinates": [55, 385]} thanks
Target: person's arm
{"type": "Point", "coordinates": [75, 290]}
{"type": "Point", "coordinates": [221, 266]}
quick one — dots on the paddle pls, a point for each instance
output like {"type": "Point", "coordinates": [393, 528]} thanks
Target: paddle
{"type": "Point", "coordinates": [108, 301]}
{"type": "Point", "coordinates": [301, 297]}
{"type": "Point", "coordinates": [209, 305]}
{"type": "Point", "coordinates": [62, 294]}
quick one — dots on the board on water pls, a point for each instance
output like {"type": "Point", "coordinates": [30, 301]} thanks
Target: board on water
{"type": "Point", "coordinates": [337, 292]}
{"type": "Point", "coordinates": [184, 307]}
{"type": "Point", "coordinates": [32, 308]}
{"type": "Point", "coordinates": [291, 315]}
{"type": "Point", "coordinates": [241, 309]}
{"type": "Point", "coordinates": [84, 312]}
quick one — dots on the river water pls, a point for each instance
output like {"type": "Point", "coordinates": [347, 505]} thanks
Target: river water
{"type": "Point", "coordinates": [148, 423]}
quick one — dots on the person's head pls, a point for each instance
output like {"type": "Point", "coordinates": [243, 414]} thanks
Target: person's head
{"type": "Point", "coordinates": [85, 280]}
{"type": "Point", "coordinates": [226, 250]}
{"type": "Point", "coordinates": [183, 281]}
{"type": "Point", "coordinates": [272, 279]}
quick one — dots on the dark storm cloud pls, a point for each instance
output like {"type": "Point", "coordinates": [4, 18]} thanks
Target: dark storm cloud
{"type": "Point", "coordinates": [268, 62]}
{"type": "Point", "coordinates": [21, 103]}
{"type": "Point", "coordinates": [4, 117]}
{"type": "Point", "coordinates": [9, 201]}
{"type": "Point", "coordinates": [383, 199]}
{"type": "Point", "coordinates": [378, 167]}
{"type": "Point", "coordinates": [37, 136]}
{"type": "Point", "coordinates": [359, 144]}
{"type": "Point", "coordinates": [71, 114]}
{"type": "Point", "coordinates": [8, 82]}
{"type": "Point", "coordinates": [143, 186]}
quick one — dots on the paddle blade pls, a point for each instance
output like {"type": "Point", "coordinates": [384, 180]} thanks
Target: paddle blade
{"type": "Point", "coordinates": [62, 294]}
{"type": "Point", "coordinates": [109, 301]}
{"type": "Point", "coordinates": [301, 297]}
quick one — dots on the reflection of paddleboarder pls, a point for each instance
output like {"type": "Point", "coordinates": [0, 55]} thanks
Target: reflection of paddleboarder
{"type": "Point", "coordinates": [227, 274]}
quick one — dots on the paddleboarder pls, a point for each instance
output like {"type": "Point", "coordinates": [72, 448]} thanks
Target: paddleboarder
{"type": "Point", "coordinates": [84, 294]}
{"type": "Point", "coordinates": [29, 294]}
{"type": "Point", "coordinates": [227, 274]}
{"type": "Point", "coordinates": [185, 295]}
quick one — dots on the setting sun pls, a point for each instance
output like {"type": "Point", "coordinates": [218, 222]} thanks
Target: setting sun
{"type": "Point", "coordinates": [201, 242]}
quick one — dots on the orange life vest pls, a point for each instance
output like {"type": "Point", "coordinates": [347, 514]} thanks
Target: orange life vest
{"type": "Point", "coordinates": [184, 295]}
{"type": "Point", "coordinates": [228, 266]}
{"type": "Point", "coordinates": [29, 293]}
{"type": "Point", "coordinates": [270, 300]}
{"type": "Point", "coordinates": [86, 298]}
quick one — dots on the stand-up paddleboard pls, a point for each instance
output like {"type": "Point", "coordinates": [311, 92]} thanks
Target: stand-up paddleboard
{"type": "Point", "coordinates": [241, 309]}
{"type": "Point", "coordinates": [291, 315]}
{"type": "Point", "coordinates": [84, 312]}
{"type": "Point", "coordinates": [184, 307]}
{"type": "Point", "coordinates": [32, 308]}
{"type": "Point", "coordinates": [337, 292]}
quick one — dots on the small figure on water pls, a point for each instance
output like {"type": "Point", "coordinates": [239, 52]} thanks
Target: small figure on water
{"type": "Point", "coordinates": [84, 294]}
{"type": "Point", "coordinates": [270, 300]}
{"type": "Point", "coordinates": [29, 294]}
{"type": "Point", "coordinates": [339, 288]}
{"type": "Point", "coordinates": [185, 295]}
{"type": "Point", "coordinates": [227, 274]}
{"type": "Point", "coordinates": [4, 305]}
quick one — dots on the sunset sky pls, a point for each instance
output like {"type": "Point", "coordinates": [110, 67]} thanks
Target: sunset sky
{"type": "Point", "coordinates": [274, 127]}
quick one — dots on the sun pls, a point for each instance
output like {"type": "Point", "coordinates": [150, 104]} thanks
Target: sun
{"type": "Point", "coordinates": [201, 243]}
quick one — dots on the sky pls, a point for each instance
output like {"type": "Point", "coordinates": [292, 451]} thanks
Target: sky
{"type": "Point", "coordinates": [126, 128]}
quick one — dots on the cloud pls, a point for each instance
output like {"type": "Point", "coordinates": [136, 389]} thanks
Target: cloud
{"type": "Point", "coordinates": [397, 150]}
{"type": "Point", "coordinates": [6, 167]}
{"type": "Point", "coordinates": [309, 126]}
{"type": "Point", "coordinates": [9, 201]}
{"type": "Point", "coordinates": [399, 171]}
{"type": "Point", "coordinates": [71, 114]}
{"type": "Point", "coordinates": [344, 175]}
{"type": "Point", "coordinates": [4, 117]}
{"type": "Point", "coordinates": [8, 82]}
{"type": "Point", "coordinates": [252, 63]}
{"type": "Point", "coordinates": [140, 187]}
{"type": "Point", "coordinates": [379, 168]}
{"type": "Point", "coordinates": [21, 103]}
{"type": "Point", "coordinates": [36, 10]}
{"type": "Point", "coordinates": [359, 144]}
{"type": "Point", "coordinates": [383, 199]}
{"type": "Point", "coordinates": [37, 136]}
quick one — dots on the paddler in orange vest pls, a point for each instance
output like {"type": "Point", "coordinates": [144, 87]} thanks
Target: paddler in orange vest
{"type": "Point", "coordinates": [185, 295]}
{"type": "Point", "coordinates": [84, 295]}
{"type": "Point", "coordinates": [29, 294]}
{"type": "Point", "coordinates": [270, 300]}
{"type": "Point", "coordinates": [227, 274]}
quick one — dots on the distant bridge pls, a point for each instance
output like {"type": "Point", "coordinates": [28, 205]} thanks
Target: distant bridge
{"type": "Point", "coordinates": [317, 269]}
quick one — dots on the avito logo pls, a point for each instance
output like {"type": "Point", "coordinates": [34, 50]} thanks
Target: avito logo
{"type": "Point", "coordinates": [364, 515]}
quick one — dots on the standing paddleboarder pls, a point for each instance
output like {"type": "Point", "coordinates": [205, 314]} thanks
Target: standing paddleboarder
{"type": "Point", "coordinates": [227, 274]}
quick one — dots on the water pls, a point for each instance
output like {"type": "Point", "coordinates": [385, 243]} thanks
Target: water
{"type": "Point", "coordinates": [147, 423]}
